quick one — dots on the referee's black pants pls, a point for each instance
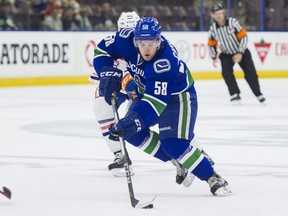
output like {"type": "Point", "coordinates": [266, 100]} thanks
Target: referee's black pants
{"type": "Point", "coordinates": [247, 66]}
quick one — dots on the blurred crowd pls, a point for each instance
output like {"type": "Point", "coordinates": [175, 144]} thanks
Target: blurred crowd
{"type": "Point", "coordinates": [88, 15]}
{"type": "Point", "coordinates": [53, 15]}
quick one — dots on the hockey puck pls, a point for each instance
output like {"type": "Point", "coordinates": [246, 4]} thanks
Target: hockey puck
{"type": "Point", "coordinates": [150, 206]}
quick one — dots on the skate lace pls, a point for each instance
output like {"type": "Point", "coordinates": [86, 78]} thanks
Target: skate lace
{"type": "Point", "coordinates": [216, 179]}
{"type": "Point", "coordinates": [119, 159]}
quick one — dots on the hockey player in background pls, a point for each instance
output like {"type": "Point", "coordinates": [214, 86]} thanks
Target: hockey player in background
{"type": "Point", "coordinates": [104, 112]}
{"type": "Point", "coordinates": [165, 96]}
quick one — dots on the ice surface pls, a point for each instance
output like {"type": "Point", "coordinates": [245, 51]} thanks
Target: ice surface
{"type": "Point", "coordinates": [55, 162]}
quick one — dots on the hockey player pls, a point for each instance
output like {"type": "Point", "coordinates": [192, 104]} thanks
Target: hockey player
{"type": "Point", "coordinates": [105, 116]}
{"type": "Point", "coordinates": [165, 96]}
{"type": "Point", "coordinates": [104, 112]}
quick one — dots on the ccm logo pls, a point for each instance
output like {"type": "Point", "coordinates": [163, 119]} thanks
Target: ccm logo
{"type": "Point", "coordinates": [110, 73]}
{"type": "Point", "coordinates": [138, 124]}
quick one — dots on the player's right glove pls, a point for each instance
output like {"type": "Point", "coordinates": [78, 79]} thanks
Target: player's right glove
{"type": "Point", "coordinates": [127, 126]}
{"type": "Point", "coordinates": [110, 82]}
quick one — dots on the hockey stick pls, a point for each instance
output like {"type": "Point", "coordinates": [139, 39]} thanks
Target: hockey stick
{"type": "Point", "coordinates": [134, 202]}
{"type": "Point", "coordinates": [6, 192]}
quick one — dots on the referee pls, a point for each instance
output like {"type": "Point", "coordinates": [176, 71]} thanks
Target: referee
{"type": "Point", "coordinates": [232, 39]}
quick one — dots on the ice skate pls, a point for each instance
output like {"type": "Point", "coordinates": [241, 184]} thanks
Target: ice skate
{"type": "Point", "coordinates": [235, 99]}
{"type": "Point", "coordinates": [117, 167]}
{"type": "Point", "coordinates": [183, 176]}
{"type": "Point", "coordinates": [261, 99]}
{"type": "Point", "coordinates": [219, 186]}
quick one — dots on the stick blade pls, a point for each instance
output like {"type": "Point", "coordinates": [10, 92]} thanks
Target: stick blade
{"type": "Point", "coordinates": [6, 192]}
{"type": "Point", "coordinates": [145, 204]}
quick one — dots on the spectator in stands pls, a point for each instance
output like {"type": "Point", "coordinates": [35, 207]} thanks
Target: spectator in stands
{"type": "Point", "coordinates": [6, 20]}
{"type": "Point", "coordinates": [71, 3]}
{"type": "Point", "coordinates": [54, 20]}
{"type": "Point", "coordinates": [207, 18]}
{"type": "Point", "coordinates": [71, 19]}
{"type": "Point", "coordinates": [38, 6]}
{"type": "Point", "coordinates": [85, 24]}
{"type": "Point", "coordinates": [105, 21]}
{"type": "Point", "coordinates": [44, 6]}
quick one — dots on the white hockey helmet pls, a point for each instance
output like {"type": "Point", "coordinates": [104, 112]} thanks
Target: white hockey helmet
{"type": "Point", "coordinates": [128, 20]}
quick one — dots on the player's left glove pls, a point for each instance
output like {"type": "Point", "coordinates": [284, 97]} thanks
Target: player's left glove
{"type": "Point", "coordinates": [110, 82]}
{"type": "Point", "coordinates": [127, 126]}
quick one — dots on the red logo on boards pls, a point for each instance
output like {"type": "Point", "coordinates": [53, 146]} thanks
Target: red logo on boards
{"type": "Point", "coordinates": [262, 49]}
{"type": "Point", "coordinates": [91, 45]}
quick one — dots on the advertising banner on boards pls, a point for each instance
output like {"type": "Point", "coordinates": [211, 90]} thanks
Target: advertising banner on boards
{"type": "Point", "coordinates": [41, 54]}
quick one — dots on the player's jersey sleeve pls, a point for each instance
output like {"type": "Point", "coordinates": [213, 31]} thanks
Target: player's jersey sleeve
{"type": "Point", "coordinates": [103, 53]}
{"type": "Point", "coordinates": [112, 48]}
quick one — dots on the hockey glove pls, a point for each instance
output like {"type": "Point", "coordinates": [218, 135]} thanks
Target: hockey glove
{"type": "Point", "coordinates": [110, 82]}
{"type": "Point", "coordinates": [127, 126]}
{"type": "Point", "coordinates": [129, 85]}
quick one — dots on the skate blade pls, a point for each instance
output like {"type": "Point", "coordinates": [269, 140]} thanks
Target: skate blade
{"type": "Point", "coordinates": [236, 103]}
{"type": "Point", "coordinates": [120, 172]}
{"type": "Point", "coordinates": [224, 191]}
{"type": "Point", "coordinates": [147, 204]}
{"type": "Point", "coordinates": [188, 180]}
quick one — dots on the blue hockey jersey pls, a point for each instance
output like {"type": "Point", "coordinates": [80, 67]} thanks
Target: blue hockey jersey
{"type": "Point", "coordinates": [165, 75]}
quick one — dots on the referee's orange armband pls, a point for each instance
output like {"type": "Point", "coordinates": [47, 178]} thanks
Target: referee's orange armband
{"type": "Point", "coordinates": [212, 42]}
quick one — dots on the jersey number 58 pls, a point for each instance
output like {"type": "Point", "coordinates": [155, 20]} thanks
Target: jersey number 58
{"type": "Point", "coordinates": [160, 88]}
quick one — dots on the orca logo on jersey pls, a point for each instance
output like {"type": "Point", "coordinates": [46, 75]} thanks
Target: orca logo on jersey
{"type": "Point", "coordinates": [162, 65]}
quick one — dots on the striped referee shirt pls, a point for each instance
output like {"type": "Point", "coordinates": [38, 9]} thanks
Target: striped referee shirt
{"type": "Point", "coordinates": [231, 38]}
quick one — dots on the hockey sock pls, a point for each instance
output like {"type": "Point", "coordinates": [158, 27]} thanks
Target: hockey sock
{"type": "Point", "coordinates": [149, 143]}
{"type": "Point", "coordinates": [195, 162]}
{"type": "Point", "coordinates": [204, 170]}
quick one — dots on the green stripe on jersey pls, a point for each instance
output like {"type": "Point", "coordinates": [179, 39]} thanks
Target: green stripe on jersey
{"type": "Point", "coordinates": [155, 103]}
{"type": "Point", "coordinates": [184, 116]}
{"type": "Point", "coordinates": [190, 80]}
{"type": "Point", "coordinates": [98, 51]}
{"type": "Point", "coordinates": [152, 143]}
{"type": "Point", "coordinates": [192, 159]}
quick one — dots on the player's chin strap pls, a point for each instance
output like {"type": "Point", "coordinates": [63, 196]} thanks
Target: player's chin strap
{"type": "Point", "coordinates": [134, 202]}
